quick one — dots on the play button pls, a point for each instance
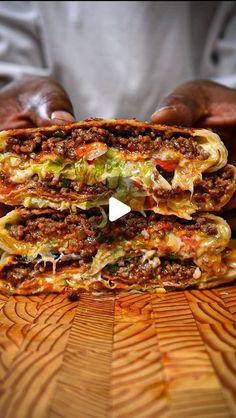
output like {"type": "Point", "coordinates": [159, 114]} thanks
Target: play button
{"type": "Point", "coordinates": [117, 209]}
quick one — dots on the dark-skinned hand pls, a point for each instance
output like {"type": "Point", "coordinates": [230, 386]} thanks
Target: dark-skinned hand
{"type": "Point", "coordinates": [34, 101]}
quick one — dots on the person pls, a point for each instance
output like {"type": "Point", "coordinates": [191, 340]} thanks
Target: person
{"type": "Point", "coordinates": [170, 62]}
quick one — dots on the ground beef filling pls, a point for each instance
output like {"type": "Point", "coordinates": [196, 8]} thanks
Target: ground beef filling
{"type": "Point", "coordinates": [65, 187]}
{"type": "Point", "coordinates": [76, 232]}
{"type": "Point", "coordinates": [134, 271]}
{"type": "Point", "coordinates": [212, 186]}
{"type": "Point", "coordinates": [15, 275]}
{"type": "Point", "coordinates": [64, 144]}
{"type": "Point", "coordinates": [22, 271]}
{"type": "Point", "coordinates": [84, 233]}
{"type": "Point", "coordinates": [175, 273]}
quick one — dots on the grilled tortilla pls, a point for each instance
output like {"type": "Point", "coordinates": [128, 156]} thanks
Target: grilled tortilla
{"type": "Point", "coordinates": [169, 170]}
{"type": "Point", "coordinates": [50, 251]}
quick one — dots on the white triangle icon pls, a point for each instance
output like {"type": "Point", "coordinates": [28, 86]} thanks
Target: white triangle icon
{"type": "Point", "coordinates": [117, 209]}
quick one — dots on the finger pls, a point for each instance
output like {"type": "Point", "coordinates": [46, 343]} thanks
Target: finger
{"type": "Point", "coordinates": [10, 119]}
{"type": "Point", "coordinates": [173, 114]}
{"type": "Point", "coordinates": [61, 117]}
{"type": "Point", "coordinates": [184, 106]}
{"type": "Point", "coordinates": [48, 103]}
{"type": "Point", "coordinates": [16, 124]}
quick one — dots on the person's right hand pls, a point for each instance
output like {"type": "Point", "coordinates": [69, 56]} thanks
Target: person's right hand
{"type": "Point", "coordinates": [34, 101]}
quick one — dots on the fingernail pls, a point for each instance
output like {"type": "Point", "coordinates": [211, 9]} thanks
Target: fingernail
{"type": "Point", "coordinates": [63, 116]}
{"type": "Point", "coordinates": [164, 109]}
{"type": "Point", "coordinates": [172, 107]}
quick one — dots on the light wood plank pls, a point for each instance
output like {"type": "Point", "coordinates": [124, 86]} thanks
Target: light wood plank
{"type": "Point", "coordinates": [84, 378]}
{"type": "Point", "coordinates": [133, 308]}
{"type": "Point", "coordinates": [211, 313]}
{"type": "Point", "coordinates": [205, 403]}
{"type": "Point", "coordinates": [171, 310]}
{"type": "Point", "coordinates": [219, 337]}
{"type": "Point", "coordinates": [199, 296]}
{"type": "Point", "coordinates": [28, 385]}
{"type": "Point", "coordinates": [169, 355]}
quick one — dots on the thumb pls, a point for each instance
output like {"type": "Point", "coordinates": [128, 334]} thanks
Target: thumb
{"type": "Point", "coordinates": [184, 106]}
{"type": "Point", "coordinates": [59, 117]}
{"type": "Point", "coordinates": [47, 103]}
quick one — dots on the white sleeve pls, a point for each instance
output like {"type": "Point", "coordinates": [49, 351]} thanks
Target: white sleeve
{"type": "Point", "coordinates": [21, 41]}
{"type": "Point", "coordinates": [224, 51]}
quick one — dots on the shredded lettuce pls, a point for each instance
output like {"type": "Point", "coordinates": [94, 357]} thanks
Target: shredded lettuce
{"type": "Point", "coordinates": [55, 167]}
{"type": "Point", "coordinates": [104, 218]}
{"type": "Point", "coordinates": [38, 202]}
{"type": "Point", "coordinates": [43, 203]}
{"type": "Point", "coordinates": [110, 166]}
{"type": "Point", "coordinates": [106, 255]}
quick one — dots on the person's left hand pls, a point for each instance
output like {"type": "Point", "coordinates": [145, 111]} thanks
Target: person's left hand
{"type": "Point", "coordinates": [203, 104]}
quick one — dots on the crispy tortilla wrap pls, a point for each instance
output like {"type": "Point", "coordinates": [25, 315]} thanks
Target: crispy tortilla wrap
{"type": "Point", "coordinates": [169, 170]}
{"type": "Point", "coordinates": [51, 251]}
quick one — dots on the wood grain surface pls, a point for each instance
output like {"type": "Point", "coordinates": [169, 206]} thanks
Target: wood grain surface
{"type": "Point", "coordinates": [169, 355]}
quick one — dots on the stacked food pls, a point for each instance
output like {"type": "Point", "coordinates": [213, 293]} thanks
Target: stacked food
{"type": "Point", "coordinates": [57, 237]}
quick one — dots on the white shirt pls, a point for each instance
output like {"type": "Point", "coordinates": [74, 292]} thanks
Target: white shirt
{"type": "Point", "coordinates": [119, 58]}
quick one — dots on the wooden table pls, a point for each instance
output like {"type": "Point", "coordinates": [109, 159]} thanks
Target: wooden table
{"type": "Point", "coordinates": [148, 355]}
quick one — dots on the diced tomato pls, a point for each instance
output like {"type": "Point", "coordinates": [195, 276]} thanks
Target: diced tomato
{"type": "Point", "coordinates": [167, 165]}
{"type": "Point", "coordinates": [6, 187]}
{"type": "Point", "coordinates": [96, 148]}
{"type": "Point", "coordinates": [82, 150]}
{"type": "Point", "coordinates": [191, 242]}
{"type": "Point", "coordinates": [48, 287]}
{"type": "Point", "coordinates": [70, 249]}
{"type": "Point", "coordinates": [163, 226]}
